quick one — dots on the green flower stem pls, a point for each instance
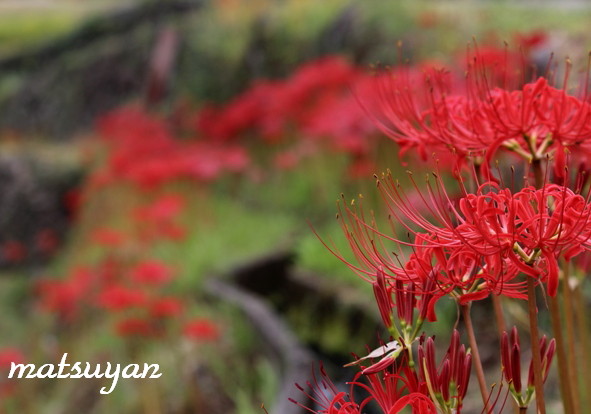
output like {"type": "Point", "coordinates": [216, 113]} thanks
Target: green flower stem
{"type": "Point", "coordinates": [585, 343]}
{"type": "Point", "coordinates": [535, 345]}
{"type": "Point", "coordinates": [477, 362]}
{"type": "Point", "coordinates": [570, 338]}
{"type": "Point", "coordinates": [564, 380]}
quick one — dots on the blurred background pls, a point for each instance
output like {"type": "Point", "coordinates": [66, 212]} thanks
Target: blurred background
{"type": "Point", "coordinates": [163, 163]}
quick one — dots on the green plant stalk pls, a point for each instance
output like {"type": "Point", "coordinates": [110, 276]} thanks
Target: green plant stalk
{"type": "Point", "coordinates": [535, 345]}
{"type": "Point", "coordinates": [533, 311]}
{"type": "Point", "coordinates": [477, 361]}
{"type": "Point", "coordinates": [564, 379]}
{"type": "Point", "coordinates": [585, 343]}
{"type": "Point", "coordinates": [570, 339]}
{"type": "Point", "coordinates": [500, 318]}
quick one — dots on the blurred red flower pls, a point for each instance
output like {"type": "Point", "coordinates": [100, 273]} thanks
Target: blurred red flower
{"type": "Point", "coordinates": [201, 329]}
{"type": "Point", "coordinates": [151, 272]}
{"type": "Point", "coordinates": [8, 355]}
{"type": "Point", "coordinates": [14, 251]}
{"type": "Point", "coordinates": [119, 298]}
{"type": "Point", "coordinates": [135, 327]}
{"type": "Point", "coordinates": [166, 307]}
{"type": "Point", "coordinates": [108, 237]}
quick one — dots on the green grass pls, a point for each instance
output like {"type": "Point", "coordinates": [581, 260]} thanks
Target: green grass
{"type": "Point", "coordinates": [25, 24]}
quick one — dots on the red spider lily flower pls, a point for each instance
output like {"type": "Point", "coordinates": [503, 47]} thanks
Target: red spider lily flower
{"type": "Point", "coordinates": [307, 101]}
{"type": "Point", "coordinates": [532, 39]}
{"type": "Point", "coordinates": [531, 227]}
{"type": "Point", "coordinates": [118, 298]}
{"type": "Point", "coordinates": [9, 355]}
{"type": "Point", "coordinates": [444, 259]}
{"type": "Point", "coordinates": [166, 307]}
{"type": "Point", "coordinates": [448, 384]}
{"type": "Point", "coordinates": [65, 297]}
{"type": "Point", "coordinates": [479, 243]}
{"type": "Point", "coordinates": [243, 114]}
{"type": "Point", "coordinates": [405, 323]}
{"type": "Point", "coordinates": [534, 121]}
{"type": "Point", "coordinates": [287, 160]}
{"type": "Point", "coordinates": [135, 327]}
{"type": "Point", "coordinates": [511, 361]}
{"type": "Point", "coordinates": [151, 272]}
{"type": "Point", "coordinates": [201, 329]}
{"type": "Point", "coordinates": [130, 124]}
{"type": "Point", "coordinates": [108, 237]}
{"type": "Point", "coordinates": [13, 251]}
{"type": "Point", "coordinates": [387, 389]}
{"type": "Point", "coordinates": [61, 297]}
{"type": "Point", "coordinates": [537, 121]}
{"type": "Point", "coordinates": [172, 232]}
{"type": "Point", "coordinates": [143, 151]}
{"type": "Point", "coordinates": [547, 350]}
{"type": "Point", "coordinates": [390, 391]}
{"type": "Point", "coordinates": [383, 294]}
{"type": "Point", "coordinates": [425, 111]}
{"type": "Point", "coordinates": [165, 208]}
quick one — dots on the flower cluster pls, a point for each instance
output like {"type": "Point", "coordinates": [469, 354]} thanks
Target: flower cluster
{"type": "Point", "coordinates": [475, 120]}
{"type": "Point", "coordinates": [494, 240]}
{"type": "Point", "coordinates": [475, 245]}
{"type": "Point", "coordinates": [131, 290]}
{"type": "Point", "coordinates": [300, 115]}
{"type": "Point", "coordinates": [143, 151]}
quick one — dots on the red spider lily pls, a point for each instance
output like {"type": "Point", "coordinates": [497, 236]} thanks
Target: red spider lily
{"type": "Point", "coordinates": [339, 119]}
{"type": "Point", "coordinates": [118, 298]}
{"type": "Point", "coordinates": [9, 355]}
{"type": "Point", "coordinates": [13, 251]}
{"type": "Point", "coordinates": [448, 384]}
{"type": "Point", "coordinates": [478, 244]}
{"type": "Point", "coordinates": [156, 221]}
{"type": "Point", "coordinates": [407, 297]}
{"type": "Point", "coordinates": [272, 107]}
{"type": "Point", "coordinates": [287, 160]}
{"type": "Point", "coordinates": [532, 39]}
{"type": "Point", "coordinates": [531, 227]}
{"type": "Point", "coordinates": [318, 108]}
{"type": "Point", "coordinates": [65, 297]}
{"type": "Point", "coordinates": [143, 151]}
{"type": "Point", "coordinates": [165, 208]}
{"type": "Point", "coordinates": [108, 237]}
{"type": "Point", "coordinates": [511, 360]}
{"type": "Point", "coordinates": [435, 116]}
{"type": "Point", "coordinates": [172, 232]}
{"type": "Point", "coordinates": [391, 391]}
{"type": "Point", "coordinates": [136, 327]}
{"type": "Point", "coordinates": [201, 329]}
{"type": "Point", "coordinates": [166, 307]}
{"type": "Point", "coordinates": [444, 260]}
{"type": "Point", "coordinates": [539, 120]}
{"type": "Point", "coordinates": [241, 115]}
{"type": "Point", "coordinates": [431, 111]}
{"type": "Point", "coordinates": [151, 272]}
